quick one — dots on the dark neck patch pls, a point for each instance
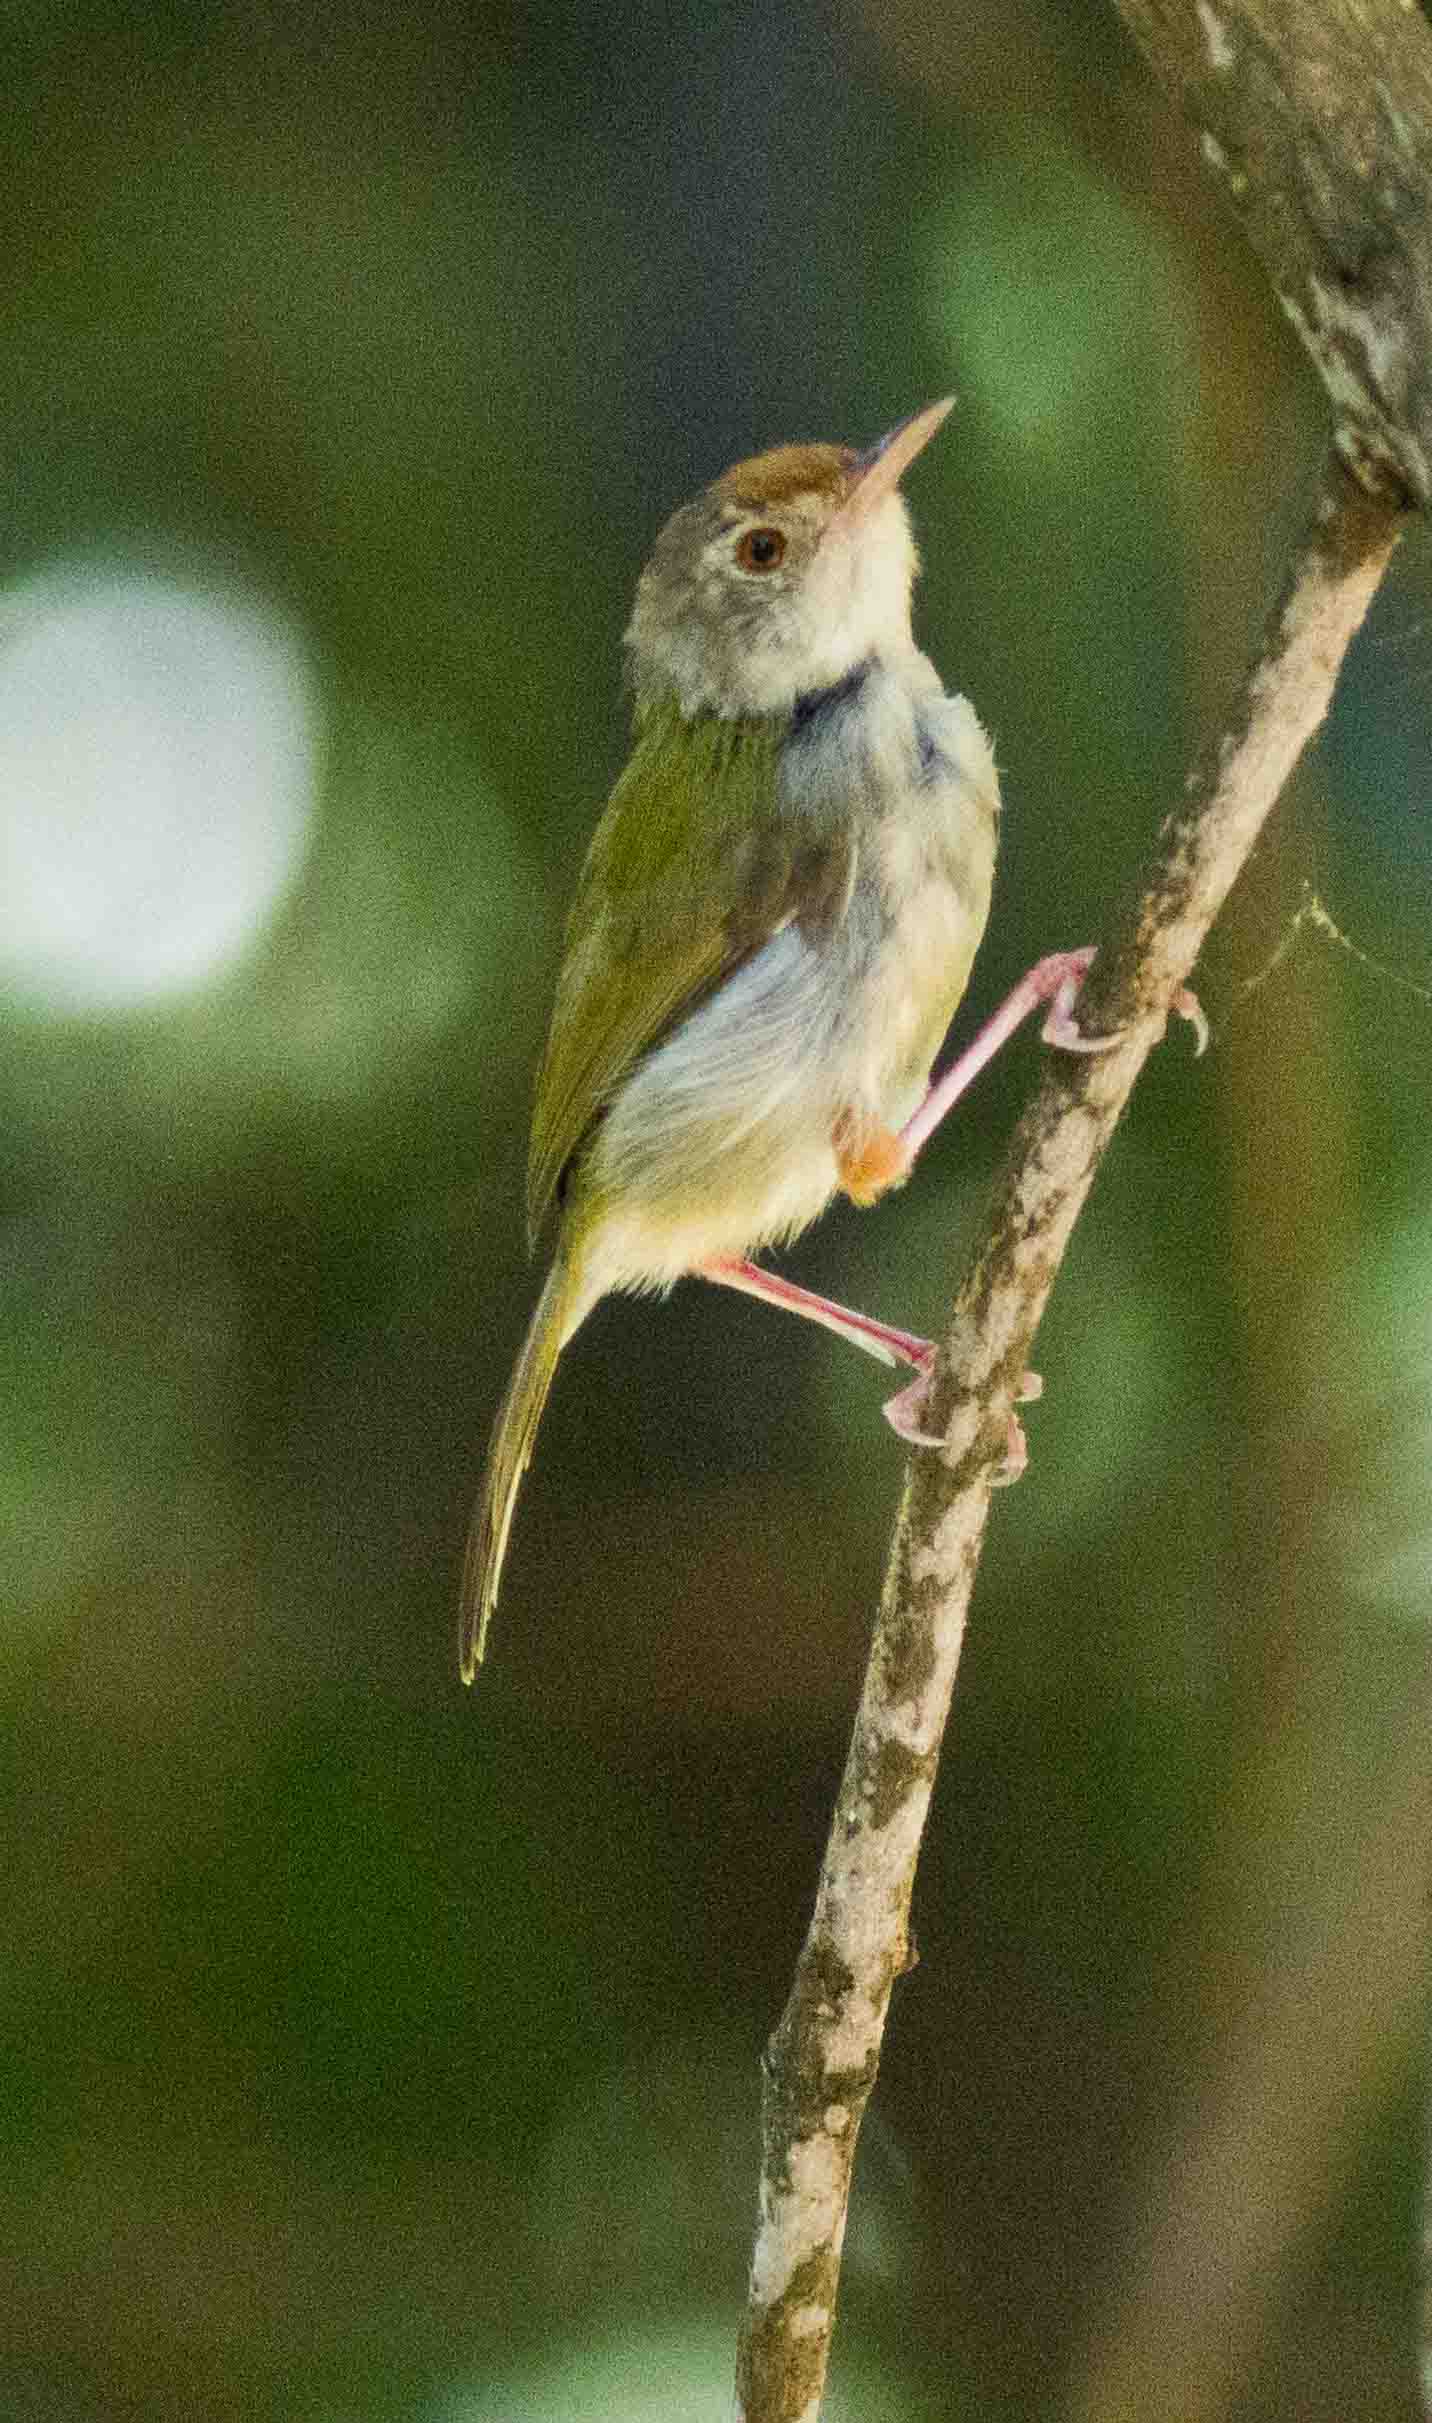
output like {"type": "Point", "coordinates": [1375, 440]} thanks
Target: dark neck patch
{"type": "Point", "coordinates": [813, 703]}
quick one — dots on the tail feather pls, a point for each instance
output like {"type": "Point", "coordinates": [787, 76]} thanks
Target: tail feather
{"type": "Point", "coordinates": [513, 1436]}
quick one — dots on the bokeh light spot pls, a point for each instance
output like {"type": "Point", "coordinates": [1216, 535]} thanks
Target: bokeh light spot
{"type": "Point", "coordinates": [1048, 292]}
{"type": "Point", "coordinates": [677, 2374]}
{"type": "Point", "coordinates": [158, 746]}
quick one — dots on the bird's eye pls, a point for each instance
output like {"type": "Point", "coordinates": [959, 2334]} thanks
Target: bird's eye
{"type": "Point", "coordinates": [760, 550]}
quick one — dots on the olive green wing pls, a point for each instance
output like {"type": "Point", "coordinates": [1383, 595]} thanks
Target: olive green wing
{"type": "Point", "coordinates": [691, 869]}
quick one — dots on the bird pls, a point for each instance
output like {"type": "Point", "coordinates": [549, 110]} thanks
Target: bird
{"type": "Point", "coordinates": [774, 925]}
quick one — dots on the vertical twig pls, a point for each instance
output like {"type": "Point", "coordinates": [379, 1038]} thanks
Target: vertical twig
{"type": "Point", "coordinates": [822, 2060]}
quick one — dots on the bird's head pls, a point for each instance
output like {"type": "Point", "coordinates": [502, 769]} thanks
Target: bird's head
{"type": "Point", "coordinates": [780, 578]}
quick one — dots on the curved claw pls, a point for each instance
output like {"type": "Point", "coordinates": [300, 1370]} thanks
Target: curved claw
{"type": "Point", "coordinates": [1016, 1456]}
{"type": "Point", "coordinates": [1061, 1027]}
{"type": "Point", "coordinates": [905, 1412]}
{"type": "Point", "coordinates": [1186, 1004]}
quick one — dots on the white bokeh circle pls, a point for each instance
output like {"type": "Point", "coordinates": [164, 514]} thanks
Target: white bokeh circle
{"type": "Point", "coordinates": [158, 757]}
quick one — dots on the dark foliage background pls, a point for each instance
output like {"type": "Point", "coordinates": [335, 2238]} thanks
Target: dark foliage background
{"type": "Point", "coordinates": [375, 2051]}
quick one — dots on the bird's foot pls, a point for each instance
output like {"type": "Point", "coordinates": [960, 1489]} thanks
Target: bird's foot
{"type": "Point", "coordinates": [1065, 971]}
{"type": "Point", "coordinates": [905, 1414]}
{"type": "Point", "coordinates": [1055, 981]}
{"type": "Point", "coordinates": [882, 1339]}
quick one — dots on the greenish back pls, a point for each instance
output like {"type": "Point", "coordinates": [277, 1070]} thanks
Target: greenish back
{"type": "Point", "coordinates": [689, 870]}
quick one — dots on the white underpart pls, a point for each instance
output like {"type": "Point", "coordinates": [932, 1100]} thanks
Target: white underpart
{"type": "Point", "coordinates": [854, 603]}
{"type": "Point", "coordinates": [851, 602]}
{"type": "Point", "coordinates": [735, 1114]}
{"type": "Point", "coordinates": [728, 1093]}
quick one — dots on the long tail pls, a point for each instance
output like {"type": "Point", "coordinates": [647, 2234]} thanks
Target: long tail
{"type": "Point", "coordinates": [559, 1309]}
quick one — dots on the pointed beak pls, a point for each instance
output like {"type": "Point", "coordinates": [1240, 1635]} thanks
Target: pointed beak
{"type": "Point", "coordinates": [880, 469]}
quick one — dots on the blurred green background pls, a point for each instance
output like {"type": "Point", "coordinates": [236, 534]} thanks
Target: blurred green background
{"type": "Point", "coordinates": [373, 2050]}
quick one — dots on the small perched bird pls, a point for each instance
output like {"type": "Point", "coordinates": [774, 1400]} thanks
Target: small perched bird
{"type": "Point", "coordinates": [775, 922]}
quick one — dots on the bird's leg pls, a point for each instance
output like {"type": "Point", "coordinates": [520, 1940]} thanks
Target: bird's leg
{"type": "Point", "coordinates": [892, 1346]}
{"type": "Point", "coordinates": [1056, 980]}
{"type": "Point", "coordinates": [871, 1159]}
{"type": "Point", "coordinates": [878, 1338]}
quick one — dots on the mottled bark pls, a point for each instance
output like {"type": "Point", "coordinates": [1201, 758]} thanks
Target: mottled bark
{"type": "Point", "coordinates": [1318, 119]}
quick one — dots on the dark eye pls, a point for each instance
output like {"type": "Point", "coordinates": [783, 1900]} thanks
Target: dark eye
{"type": "Point", "coordinates": [760, 550]}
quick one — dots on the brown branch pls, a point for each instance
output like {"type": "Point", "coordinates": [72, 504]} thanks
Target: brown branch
{"type": "Point", "coordinates": [822, 2060]}
{"type": "Point", "coordinates": [1358, 153]}
{"type": "Point", "coordinates": [1316, 118]}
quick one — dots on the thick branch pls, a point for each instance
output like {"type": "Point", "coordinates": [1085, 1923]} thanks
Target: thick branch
{"type": "Point", "coordinates": [1316, 118]}
{"type": "Point", "coordinates": [822, 2061]}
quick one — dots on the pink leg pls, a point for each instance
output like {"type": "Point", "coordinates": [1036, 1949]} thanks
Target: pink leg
{"type": "Point", "coordinates": [878, 1338]}
{"type": "Point", "coordinates": [1056, 980]}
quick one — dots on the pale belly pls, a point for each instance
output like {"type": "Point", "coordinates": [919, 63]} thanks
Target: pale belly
{"type": "Point", "coordinates": [724, 1140]}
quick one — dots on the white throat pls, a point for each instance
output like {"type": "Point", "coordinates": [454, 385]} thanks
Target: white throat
{"type": "Point", "coordinates": [750, 654]}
